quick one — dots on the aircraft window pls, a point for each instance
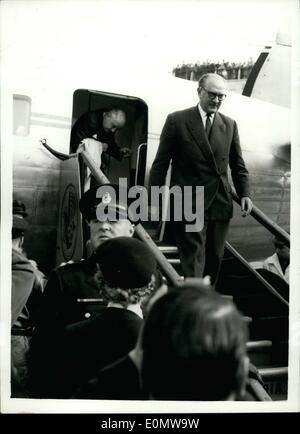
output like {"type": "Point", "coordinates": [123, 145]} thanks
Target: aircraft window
{"type": "Point", "coordinates": [21, 115]}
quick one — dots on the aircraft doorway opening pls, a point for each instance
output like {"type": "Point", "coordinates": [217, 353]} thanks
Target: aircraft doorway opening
{"type": "Point", "coordinates": [133, 135]}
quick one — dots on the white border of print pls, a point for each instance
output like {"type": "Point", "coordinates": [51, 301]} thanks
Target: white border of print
{"type": "Point", "coordinates": [79, 406]}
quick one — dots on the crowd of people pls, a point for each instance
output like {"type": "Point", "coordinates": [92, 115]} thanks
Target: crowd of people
{"type": "Point", "coordinates": [228, 70]}
{"type": "Point", "coordinates": [109, 326]}
{"type": "Point", "coordinates": [143, 339]}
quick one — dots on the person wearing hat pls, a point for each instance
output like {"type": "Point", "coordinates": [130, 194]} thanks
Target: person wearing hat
{"type": "Point", "coordinates": [125, 276]}
{"type": "Point", "coordinates": [122, 379]}
{"type": "Point", "coordinates": [27, 288]}
{"type": "Point", "coordinates": [75, 281]}
{"type": "Point", "coordinates": [279, 262]}
{"type": "Point", "coordinates": [72, 294]}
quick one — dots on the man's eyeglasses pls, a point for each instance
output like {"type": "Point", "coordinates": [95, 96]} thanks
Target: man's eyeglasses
{"type": "Point", "coordinates": [213, 95]}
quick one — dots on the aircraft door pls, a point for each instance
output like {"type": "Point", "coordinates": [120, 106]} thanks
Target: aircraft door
{"type": "Point", "coordinates": [132, 136]}
{"type": "Point", "coordinates": [69, 234]}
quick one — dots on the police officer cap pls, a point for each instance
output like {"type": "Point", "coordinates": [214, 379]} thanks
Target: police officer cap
{"type": "Point", "coordinates": [112, 197]}
{"type": "Point", "coordinates": [126, 262]}
{"type": "Point", "coordinates": [19, 214]}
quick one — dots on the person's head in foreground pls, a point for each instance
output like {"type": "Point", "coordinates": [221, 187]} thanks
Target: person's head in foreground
{"type": "Point", "coordinates": [194, 347]}
{"type": "Point", "coordinates": [127, 267]}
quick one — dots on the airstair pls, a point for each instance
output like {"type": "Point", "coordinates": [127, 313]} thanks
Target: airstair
{"type": "Point", "coordinates": [262, 299]}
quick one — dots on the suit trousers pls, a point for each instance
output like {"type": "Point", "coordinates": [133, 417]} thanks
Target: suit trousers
{"type": "Point", "coordinates": [201, 253]}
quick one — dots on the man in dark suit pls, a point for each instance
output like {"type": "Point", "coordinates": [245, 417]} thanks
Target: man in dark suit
{"type": "Point", "coordinates": [201, 142]}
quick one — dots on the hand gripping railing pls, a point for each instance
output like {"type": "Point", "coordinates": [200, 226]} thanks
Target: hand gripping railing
{"type": "Point", "coordinates": [255, 273]}
{"type": "Point", "coordinates": [272, 227]}
{"type": "Point", "coordinates": [168, 271]}
{"type": "Point", "coordinates": [264, 220]}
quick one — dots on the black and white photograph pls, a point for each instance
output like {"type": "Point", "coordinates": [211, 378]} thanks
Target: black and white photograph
{"type": "Point", "coordinates": [150, 187]}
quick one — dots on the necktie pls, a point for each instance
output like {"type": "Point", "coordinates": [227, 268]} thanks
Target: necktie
{"type": "Point", "coordinates": [208, 124]}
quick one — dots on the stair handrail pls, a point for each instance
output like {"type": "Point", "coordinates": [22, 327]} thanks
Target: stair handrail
{"type": "Point", "coordinates": [264, 220]}
{"type": "Point", "coordinates": [169, 272]}
{"type": "Point", "coordinates": [273, 373]}
{"type": "Point", "coordinates": [167, 269]}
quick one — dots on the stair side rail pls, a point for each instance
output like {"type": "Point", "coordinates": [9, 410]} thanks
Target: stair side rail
{"type": "Point", "coordinates": [168, 271]}
{"type": "Point", "coordinates": [265, 221]}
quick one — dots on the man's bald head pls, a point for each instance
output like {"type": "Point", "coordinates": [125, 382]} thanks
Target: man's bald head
{"type": "Point", "coordinates": [211, 79]}
{"type": "Point", "coordinates": [113, 120]}
{"type": "Point", "coordinates": [211, 91]}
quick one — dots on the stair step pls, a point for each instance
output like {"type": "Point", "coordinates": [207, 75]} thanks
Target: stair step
{"type": "Point", "coordinates": [258, 345]}
{"type": "Point", "coordinates": [168, 249]}
{"type": "Point", "coordinates": [275, 380]}
{"type": "Point", "coordinates": [271, 374]}
{"type": "Point", "coordinates": [271, 328]}
{"type": "Point", "coordinates": [260, 305]}
{"type": "Point", "coordinates": [228, 297]}
{"type": "Point", "coordinates": [260, 352]}
{"type": "Point", "coordinates": [174, 261]}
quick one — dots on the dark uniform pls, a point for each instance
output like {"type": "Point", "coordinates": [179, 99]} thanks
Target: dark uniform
{"type": "Point", "coordinates": [81, 348]}
{"type": "Point", "coordinates": [71, 295]}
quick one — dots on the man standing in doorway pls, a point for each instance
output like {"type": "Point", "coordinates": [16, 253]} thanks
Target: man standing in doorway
{"type": "Point", "coordinates": [94, 132]}
{"type": "Point", "coordinates": [100, 125]}
{"type": "Point", "coordinates": [201, 142]}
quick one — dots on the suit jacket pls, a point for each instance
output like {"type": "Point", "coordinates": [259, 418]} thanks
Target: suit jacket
{"type": "Point", "coordinates": [197, 162]}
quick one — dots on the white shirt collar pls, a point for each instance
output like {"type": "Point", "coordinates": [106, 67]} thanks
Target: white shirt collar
{"type": "Point", "coordinates": [273, 264]}
{"type": "Point", "coordinates": [203, 114]}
